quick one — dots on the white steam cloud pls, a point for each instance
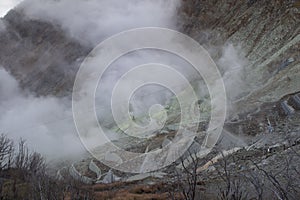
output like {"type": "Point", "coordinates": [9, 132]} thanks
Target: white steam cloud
{"type": "Point", "coordinates": [46, 122]}
{"type": "Point", "coordinates": [6, 5]}
{"type": "Point", "coordinates": [232, 63]}
{"type": "Point", "coordinates": [91, 21]}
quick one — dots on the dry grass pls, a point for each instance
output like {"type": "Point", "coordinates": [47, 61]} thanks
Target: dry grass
{"type": "Point", "coordinates": [131, 191]}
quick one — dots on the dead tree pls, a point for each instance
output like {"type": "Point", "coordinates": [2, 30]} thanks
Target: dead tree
{"type": "Point", "coordinates": [22, 156]}
{"type": "Point", "coordinates": [6, 152]}
{"type": "Point", "coordinates": [187, 179]}
{"type": "Point", "coordinates": [36, 164]}
{"type": "Point", "coordinates": [256, 179]}
{"type": "Point", "coordinates": [232, 186]}
{"type": "Point", "coordinates": [284, 181]}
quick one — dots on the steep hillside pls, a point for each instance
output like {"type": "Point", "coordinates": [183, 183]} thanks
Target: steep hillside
{"type": "Point", "coordinates": [269, 33]}
{"type": "Point", "coordinates": [40, 55]}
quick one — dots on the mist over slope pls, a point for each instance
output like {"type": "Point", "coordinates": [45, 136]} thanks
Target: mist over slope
{"type": "Point", "coordinates": [255, 45]}
{"type": "Point", "coordinates": [45, 122]}
{"type": "Point", "coordinates": [43, 43]}
{"type": "Point", "coordinates": [267, 32]}
{"type": "Point", "coordinates": [90, 22]}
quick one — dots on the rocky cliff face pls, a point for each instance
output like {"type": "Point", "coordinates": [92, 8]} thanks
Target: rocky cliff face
{"type": "Point", "coordinates": [269, 33]}
{"type": "Point", "coordinates": [39, 55]}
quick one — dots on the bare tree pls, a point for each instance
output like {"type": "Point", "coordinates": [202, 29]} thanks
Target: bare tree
{"type": "Point", "coordinates": [6, 156]}
{"type": "Point", "coordinates": [256, 179]}
{"type": "Point", "coordinates": [186, 179]}
{"type": "Point", "coordinates": [36, 164]}
{"type": "Point", "coordinates": [26, 173]}
{"type": "Point", "coordinates": [239, 177]}
{"type": "Point", "coordinates": [191, 177]}
{"type": "Point", "coordinates": [233, 182]}
{"type": "Point", "coordinates": [22, 156]}
{"type": "Point", "coordinates": [6, 152]}
{"type": "Point", "coordinates": [284, 181]}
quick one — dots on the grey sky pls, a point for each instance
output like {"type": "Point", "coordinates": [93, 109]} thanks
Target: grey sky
{"type": "Point", "coordinates": [6, 5]}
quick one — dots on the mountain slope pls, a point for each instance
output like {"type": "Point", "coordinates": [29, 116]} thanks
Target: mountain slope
{"type": "Point", "coordinates": [40, 55]}
{"type": "Point", "coordinates": [269, 33]}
